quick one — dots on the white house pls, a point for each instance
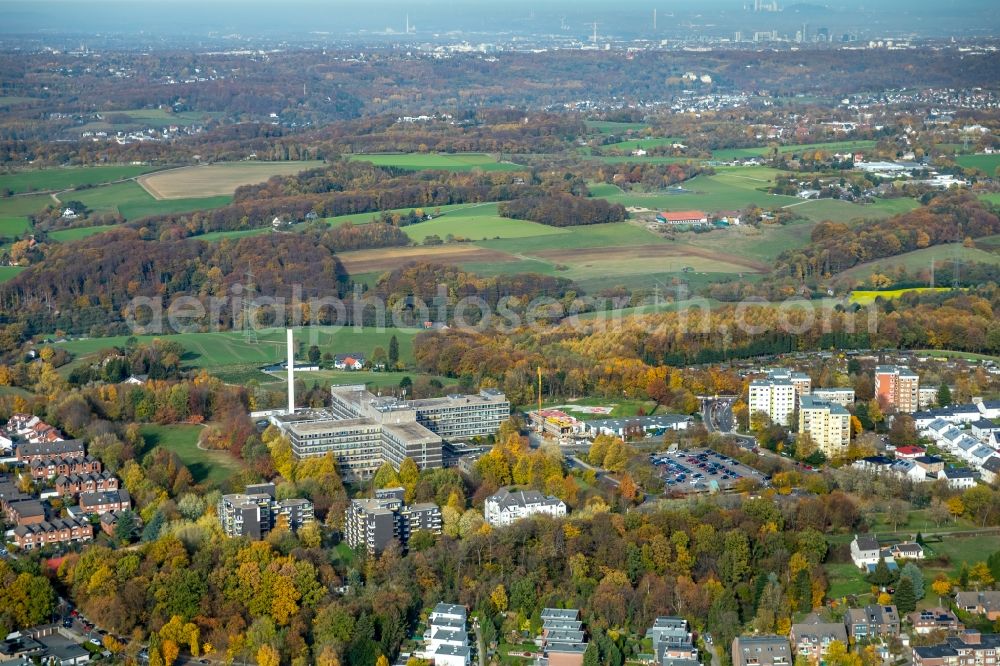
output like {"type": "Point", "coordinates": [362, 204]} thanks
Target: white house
{"type": "Point", "coordinates": [958, 477]}
{"type": "Point", "coordinates": [865, 550]}
{"type": "Point", "coordinates": [349, 361]}
{"type": "Point", "coordinates": [505, 506]}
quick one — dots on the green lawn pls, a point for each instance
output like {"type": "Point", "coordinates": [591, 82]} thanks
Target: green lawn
{"type": "Point", "coordinates": [818, 210]}
{"type": "Point", "coordinates": [603, 189]}
{"type": "Point", "coordinates": [9, 272]}
{"type": "Point", "coordinates": [133, 202]}
{"type": "Point", "coordinates": [213, 467]}
{"type": "Point", "coordinates": [968, 550]}
{"type": "Point", "coordinates": [65, 178]}
{"type": "Point", "coordinates": [479, 222]}
{"type": "Point", "coordinates": [845, 579]}
{"type": "Point", "coordinates": [993, 198]}
{"type": "Point", "coordinates": [219, 350]}
{"type": "Point", "coordinates": [986, 163]}
{"type": "Point", "coordinates": [69, 235]}
{"type": "Point", "coordinates": [13, 226]}
{"type": "Point", "coordinates": [762, 243]}
{"type": "Point", "coordinates": [443, 161]}
{"type": "Point", "coordinates": [587, 236]}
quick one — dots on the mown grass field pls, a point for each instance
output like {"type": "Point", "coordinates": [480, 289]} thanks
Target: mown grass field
{"type": "Point", "coordinates": [986, 163]}
{"type": "Point", "coordinates": [218, 350]}
{"type": "Point", "coordinates": [69, 235]}
{"type": "Point", "coordinates": [862, 297]}
{"type": "Point", "coordinates": [831, 146]}
{"type": "Point", "coordinates": [646, 144]}
{"type": "Point", "coordinates": [213, 467]}
{"type": "Point", "coordinates": [442, 161]}
{"type": "Point", "coordinates": [24, 205]}
{"type": "Point", "coordinates": [68, 178]}
{"type": "Point", "coordinates": [9, 272]}
{"type": "Point", "coordinates": [155, 118]}
{"type": "Point", "coordinates": [13, 226]}
{"type": "Point", "coordinates": [214, 180]}
{"type": "Point", "coordinates": [611, 127]}
{"type": "Point", "coordinates": [728, 189]}
{"type": "Point", "coordinates": [132, 202]}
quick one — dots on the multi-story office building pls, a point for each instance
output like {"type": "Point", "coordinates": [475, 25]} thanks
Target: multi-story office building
{"type": "Point", "coordinates": [898, 388]}
{"type": "Point", "coordinates": [363, 430]}
{"type": "Point", "coordinates": [774, 396]}
{"type": "Point", "coordinates": [377, 523]}
{"type": "Point", "coordinates": [255, 512]}
{"type": "Point", "coordinates": [829, 425]}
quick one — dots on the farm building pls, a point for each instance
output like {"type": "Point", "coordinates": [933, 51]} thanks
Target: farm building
{"type": "Point", "coordinates": [683, 217]}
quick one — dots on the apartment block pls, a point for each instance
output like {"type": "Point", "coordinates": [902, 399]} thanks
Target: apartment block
{"type": "Point", "coordinates": [255, 513]}
{"type": "Point", "coordinates": [897, 387]}
{"type": "Point", "coordinates": [761, 651]}
{"type": "Point", "coordinates": [811, 638]}
{"type": "Point", "coordinates": [828, 424]}
{"type": "Point", "coordinates": [673, 642]}
{"type": "Point", "coordinates": [837, 396]}
{"type": "Point", "coordinates": [774, 396]}
{"type": "Point", "coordinates": [507, 506]}
{"type": "Point", "coordinates": [377, 523]}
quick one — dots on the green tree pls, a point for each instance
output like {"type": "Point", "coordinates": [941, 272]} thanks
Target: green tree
{"type": "Point", "coordinates": [943, 395]}
{"type": "Point", "coordinates": [393, 352]}
{"type": "Point", "coordinates": [591, 656]}
{"type": "Point", "coordinates": [125, 527]}
{"type": "Point", "coordinates": [906, 600]}
{"type": "Point", "coordinates": [881, 576]}
{"type": "Point", "coordinates": [803, 591]}
{"type": "Point", "coordinates": [912, 571]}
{"type": "Point", "coordinates": [314, 355]}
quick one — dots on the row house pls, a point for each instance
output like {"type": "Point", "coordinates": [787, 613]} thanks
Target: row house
{"type": "Point", "coordinates": [33, 429]}
{"type": "Point", "coordinates": [100, 503]}
{"type": "Point", "coordinates": [970, 648]}
{"type": "Point", "coordinates": [47, 469]}
{"type": "Point", "coordinates": [30, 452]}
{"type": "Point", "coordinates": [60, 530]}
{"type": "Point", "coordinates": [74, 484]}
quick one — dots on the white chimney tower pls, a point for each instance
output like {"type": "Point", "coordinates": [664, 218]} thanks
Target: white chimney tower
{"type": "Point", "coordinates": [291, 372]}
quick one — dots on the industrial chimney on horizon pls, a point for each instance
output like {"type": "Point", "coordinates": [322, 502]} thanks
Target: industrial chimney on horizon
{"type": "Point", "coordinates": [291, 371]}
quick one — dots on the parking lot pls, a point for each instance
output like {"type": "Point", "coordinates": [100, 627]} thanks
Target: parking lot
{"type": "Point", "coordinates": [701, 470]}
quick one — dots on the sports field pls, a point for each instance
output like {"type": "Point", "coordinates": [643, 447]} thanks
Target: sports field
{"type": "Point", "coordinates": [213, 467]}
{"type": "Point", "coordinates": [132, 202]}
{"type": "Point", "coordinates": [44, 180]}
{"type": "Point", "coordinates": [217, 350]}
{"type": "Point", "coordinates": [988, 164]}
{"type": "Point", "coordinates": [442, 161]}
{"type": "Point", "coordinates": [862, 297]}
{"type": "Point", "coordinates": [212, 180]}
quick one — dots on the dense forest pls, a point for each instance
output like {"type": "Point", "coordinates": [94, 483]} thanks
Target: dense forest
{"type": "Point", "coordinates": [563, 210]}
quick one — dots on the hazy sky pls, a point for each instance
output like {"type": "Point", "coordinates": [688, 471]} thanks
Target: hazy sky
{"type": "Point", "coordinates": [342, 18]}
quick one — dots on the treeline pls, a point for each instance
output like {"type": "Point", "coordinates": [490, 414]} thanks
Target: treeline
{"type": "Point", "coordinates": [649, 176]}
{"type": "Point", "coordinates": [950, 217]}
{"type": "Point", "coordinates": [563, 210]}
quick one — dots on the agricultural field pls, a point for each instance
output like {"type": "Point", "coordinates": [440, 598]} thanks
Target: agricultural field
{"type": "Point", "coordinates": [988, 164]}
{"type": "Point", "coordinates": [817, 210]}
{"type": "Point", "coordinates": [149, 118]}
{"type": "Point", "coordinates": [919, 260]}
{"type": "Point", "coordinates": [479, 222]}
{"type": "Point", "coordinates": [67, 178]}
{"type": "Point", "coordinates": [728, 189]}
{"type": "Point", "coordinates": [861, 297]}
{"type": "Point", "coordinates": [9, 272]}
{"type": "Point", "coordinates": [13, 226]}
{"type": "Point", "coordinates": [634, 144]}
{"type": "Point", "coordinates": [132, 202]}
{"type": "Point", "coordinates": [213, 467]}
{"type": "Point", "coordinates": [24, 205]}
{"type": "Point", "coordinates": [223, 349]}
{"type": "Point", "coordinates": [728, 154]}
{"type": "Point", "coordinates": [761, 244]}
{"type": "Point", "coordinates": [213, 180]}
{"type": "Point", "coordinates": [611, 127]}
{"type": "Point", "coordinates": [7, 101]}
{"type": "Point", "coordinates": [69, 235]}
{"type": "Point", "coordinates": [440, 161]}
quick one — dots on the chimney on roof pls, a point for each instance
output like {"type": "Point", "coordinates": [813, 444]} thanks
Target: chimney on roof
{"type": "Point", "coordinates": [291, 371]}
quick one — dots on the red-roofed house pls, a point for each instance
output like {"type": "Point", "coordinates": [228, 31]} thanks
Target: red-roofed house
{"type": "Point", "coordinates": [683, 217]}
{"type": "Point", "coordinates": [910, 452]}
